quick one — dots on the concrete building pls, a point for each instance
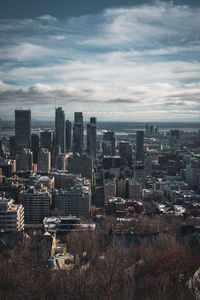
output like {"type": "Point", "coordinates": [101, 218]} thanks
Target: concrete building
{"type": "Point", "coordinates": [81, 164]}
{"type": "Point", "coordinates": [122, 188]}
{"type": "Point", "coordinates": [92, 137]}
{"type": "Point", "coordinates": [140, 146]}
{"type": "Point", "coordinates": [175, 138]}
{"type": "Point", "coordinates": [42, 181]}
{"type": "Point", "coordinates": [22, 129]}
{"type": "Point", "coordinates": [63, 224]}
{"type": "Point", "coordinates": [11, 215]}
{"type": "Point", "coordinates": [134, 190]}
{"type": "Point", "coordinates": [193, 174]}
{"type": "Point", "coordinates": [36, 205]}
{"type": "Point", "coordinates": [139, 172]}
{"type": "Point", "coordinates": [75, 201]}
{"type": "Point", "coordinates": [111, 166]}
{"type": "Point", "coordinates": [61, 162]}
{"type": "Point", "coordinates": [8, 166]}
{"type": "Point", "coordinates": [60, 130]}
{"type": "Point", "coordinates": [98, 200]}
{"type": "Point", "coordinates": [64, 180]}
{"type": "Point", "coordinates": [44, 160]}
{"type": "Point", "coordinates": [24, 160]}
{"type": "Point", "coordinates": [68, 135]}
{"type": "Point", "coordinates": [109, 189]}
{"type": "Point", "coordinates": [125, 151]}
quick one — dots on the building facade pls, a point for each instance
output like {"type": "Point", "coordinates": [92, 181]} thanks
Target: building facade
{"type": "Point", "coordinates": [22, 129]}
{"type": "Point", "coordinates": [60, 134]}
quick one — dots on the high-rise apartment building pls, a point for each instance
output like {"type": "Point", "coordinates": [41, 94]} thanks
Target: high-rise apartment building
{"type": "Point", "coordinates": [81, 164]}
{"type": "Point", "coordinates": [61, 161]}
{"type": "Point", "coordinates": [64, 180]}
{"type": "Point", "coordinates": [22, 129]}
{"type": "Point", "coordinates": [110, 189]}
{"type": "Point", "coordinates": [134, 190]}
{"type": "Point", "coordinates": [44, 160]}
{"type": "Point", "coordinates": [92, 137]}
{"type": "Point", "coordinates": [78, 133]}
{"type": "Point", "coordinates": [11, 215]}
{"type": "Point", "coordinates": [68, 136]}
{"type": "Point", "coordinates": [140, 146]}
{"type": "Point", "coordinates": [36, 205]}
{"type": "Point", "coordinates": [75, 201]}
{"type": "Point", "coordinates": [60, 134]}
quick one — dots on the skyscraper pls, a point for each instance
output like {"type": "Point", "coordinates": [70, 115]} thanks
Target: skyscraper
{"type": "Point", "coordinates": [0, 130]}
{"type": "Point", "coordinates": [24, 160]}
{"type": "Point", "coordinates": [44, 160]}
{"type": "Point", "coordinates": [0, 138]}
{"type": "Point", "coordinates": [140, 146]}
{"type": "Point", "coordinates": [60, 129]}
{"type": "Point", "coordinates": [35, 141]}
{"type": "Point", "coordinates": [78, 133]}
{"type": "Point", "coordinates": [68, 135]}
{"type": "Point", "coordinates": [109, 142]}
{"type": "Point", "coordinates": [47, 139]}
{"type": "Point", "coordinates": [92, 137]}
{"type": "Point", "coordinates": [22, 129]}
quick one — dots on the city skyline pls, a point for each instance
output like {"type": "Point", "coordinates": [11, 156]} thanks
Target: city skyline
{"type": "Point", "coordinates": [117, 61]}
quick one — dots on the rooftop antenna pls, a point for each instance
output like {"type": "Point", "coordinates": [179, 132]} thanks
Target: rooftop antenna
{"type": "Point", "coordinates": [55, 103]}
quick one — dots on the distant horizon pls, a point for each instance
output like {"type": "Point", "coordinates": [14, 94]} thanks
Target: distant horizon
{"type": "Point", "coordinates": [119, 121]}
{"type": "Point", "coordinates": [114, 59]}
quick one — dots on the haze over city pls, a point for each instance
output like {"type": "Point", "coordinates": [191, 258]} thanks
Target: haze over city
{"type": "Point", "coordinates": [117, 60]}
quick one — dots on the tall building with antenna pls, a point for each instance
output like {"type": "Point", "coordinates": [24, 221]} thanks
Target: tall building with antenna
{"type": "Point", "coordinates": [60, 129]}
{"type": "Point", "coordinates": [22, 129]}
{"type": "Point", "coordinates": [92, 137]}
{"type": "Point", "coordinates": [78, 133]}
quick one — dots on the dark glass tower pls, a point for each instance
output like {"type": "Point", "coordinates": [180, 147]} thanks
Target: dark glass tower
{"type": "Point", "coordinates": [92, 137]}
{"type": "Point", "coordinates": [140, 146]}
{"type": "Point", "coordinates": [60, 129]}
{"type": "Point", "coordinates": [78, 132]}
{"type": "Point", "coordinates": [35, 141]}
{"type": "Point", "coordinates": [68, 135]}
{"type": "Point", "coordinates": [47, 140]}
{"type": "Point", "coordinates": [22, 129]}
{"type": "Point", "coordinates": [109, 142]}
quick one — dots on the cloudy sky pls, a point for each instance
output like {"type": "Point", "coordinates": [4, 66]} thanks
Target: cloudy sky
{"type": "Point", "coordinates": [113, 59]}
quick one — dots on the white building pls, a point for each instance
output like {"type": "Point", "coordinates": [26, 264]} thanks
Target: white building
{"type": "Point", "coordinates": [11, 215]}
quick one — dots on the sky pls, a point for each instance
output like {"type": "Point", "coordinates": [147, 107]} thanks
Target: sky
{"type": "Point", "coordinates": [118, 60]}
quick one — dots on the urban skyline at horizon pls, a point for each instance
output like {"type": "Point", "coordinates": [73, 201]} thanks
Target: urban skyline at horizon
{"type": "Point", "coordinates": [119, 61]}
